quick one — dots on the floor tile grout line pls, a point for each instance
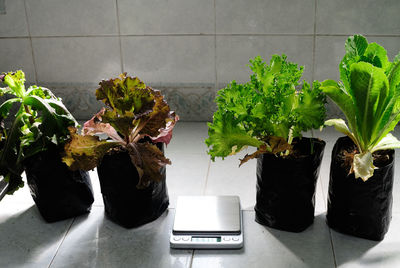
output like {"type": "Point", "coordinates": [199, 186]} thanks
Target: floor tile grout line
{"type": "Point", "coordinates": [62, 241]}
{"type": "Point", "coordinates": [332, 246]}
{"type": "Point", "coordinates": [191, 259]}
{"type": "Point", "coordinates": [207, 174]}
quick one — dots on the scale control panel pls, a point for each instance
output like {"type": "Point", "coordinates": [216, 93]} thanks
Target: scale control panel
{"type": "Point", "coordinates": [206, 242]}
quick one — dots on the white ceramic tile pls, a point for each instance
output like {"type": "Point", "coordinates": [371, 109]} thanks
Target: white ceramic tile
{"type": "Point", "coordinates": [260, 17]}
{"type": "Point", "coordinates": [170, 59]}
{"type": "Point", "coordinates": [186, 175]}
{"type": "Point", "coordinates": [358, 16]}
{"type": "Point", "coordinates": [188, 138]}
{"type": "Point", "coordinates": [73, 17]}
{"type": "Point", "coordinates": [227, 178]}
{"type": "Point", "coordinates": [94, 241]}
{"type": "Point", "coordinates": [267, 247]}
{"type": "Point", "coordinates": [166, 17]}
{"type": "Point", "coordinates": [77, 59]}
{"type": "Point", "coordinates": [13, 22]}
{"type": "Point", "coordinates": [234, 52]}
{"type": "Point", "coordinates": [357, 252]}
{"type": "Point", "coordinates": [16, 54]}
{"type": "Point", "coordinates": [27, 240]}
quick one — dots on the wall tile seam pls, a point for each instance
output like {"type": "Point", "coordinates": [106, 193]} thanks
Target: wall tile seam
{"type": "Point", "coordinates": [183, 35]}
{"type": "Point", "coordinates": [30, 42]}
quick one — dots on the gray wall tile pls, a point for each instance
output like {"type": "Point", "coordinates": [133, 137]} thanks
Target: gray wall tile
{"type": "Point", "coordinates": [16, 54]}
{"type": "Point", "coordinates": [265, 16]}
{"type": "Point", "coordinates": [13, 22]}
{"type": "Point", "coordinates": [76, 59]}
{"type": "Point", "coordinates": [329, 51]}
{"type": "Point", "coordinates": [234, 52]}
{"type": "Point", "coordinates": [358, 16]}
{"type": "Point", "coordinates": [72, 17]}
{"type": "Point", "coordinates": [170, 59]}
{"type": "Point", "coordinates": [166, 17]}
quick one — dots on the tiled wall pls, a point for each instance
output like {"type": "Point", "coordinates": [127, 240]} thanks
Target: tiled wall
{"type": "Point", "coordinates": [187, 48]}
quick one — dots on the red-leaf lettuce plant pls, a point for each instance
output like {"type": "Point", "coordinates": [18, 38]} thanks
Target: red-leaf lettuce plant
{"type": "Point", "coordinates": [369, 96]}
{"type": "Point", "coordinates": [267, 112]}
{"type": "Point", "coordinates": [40, 122]}
{"type": "Point", "coordinates": [133, 112]}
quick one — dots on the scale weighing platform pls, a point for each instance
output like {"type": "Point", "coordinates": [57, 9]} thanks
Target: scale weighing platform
{"type": "Point", "coordinates": [207, 222]}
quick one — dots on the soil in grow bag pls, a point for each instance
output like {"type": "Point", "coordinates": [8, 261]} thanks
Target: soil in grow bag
{"type": "Point", "coordinates": [286, 186]}
{"type": "Point", "coordinates": [124, 203]}
{"type": "Point", "coordinates": [58, 192]}
{"type": "Point", "coordinates": [355, 207]}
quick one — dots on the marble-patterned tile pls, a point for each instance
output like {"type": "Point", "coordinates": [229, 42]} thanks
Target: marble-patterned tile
{"type": "Point", "coordinates": [225, 177]}
{"type": "Point", "coordinates": [357, 252]}
{"type": "Point", "coordinates": [358, 16]}
{"type": "Point", "coordinates": [265, 17]}
{"type": "Point", "coordinates": [188, 138]}
{"type": "Point", "coordinates": [76, 59]}
{"type": "Point", "coordinates": [169, 59]}
{"type": "Point", "coordinates": [72, 18]}
{"type": "Point", "coordinates": [234, 52]}
{"type": "Point", "coordinates": [267, 247]}
{"type": "Point", "coordinates": [26, 239]}
{"type": "Point", "coordinates": [13, 19]}
{"type": "Point", "coordinates": [166, 17]}
{"type": "Point", "coordinates": [187, 175]}
{"type": "Point", "coordinates": [95, 241]}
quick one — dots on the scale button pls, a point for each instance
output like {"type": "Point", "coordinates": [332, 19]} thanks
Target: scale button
{"type": "Point", "coordinates": [177, 238]}
{"type": "Point", "coordinates": [226, 238]}
{"type": "Point", "coordinates": [235, 238]}
{"type": "Point", "coordinates": [185, 238]}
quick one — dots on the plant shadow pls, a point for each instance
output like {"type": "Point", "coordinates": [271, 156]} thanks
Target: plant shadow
{"type": "Point", "coordinates": [29, 240]}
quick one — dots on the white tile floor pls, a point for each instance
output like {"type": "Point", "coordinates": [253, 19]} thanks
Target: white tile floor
{"type": "Point", "coordinates": [93, 241]}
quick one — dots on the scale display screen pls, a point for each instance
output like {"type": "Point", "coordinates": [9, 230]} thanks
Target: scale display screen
{"type": "Point", "coordinates": [206, 239]}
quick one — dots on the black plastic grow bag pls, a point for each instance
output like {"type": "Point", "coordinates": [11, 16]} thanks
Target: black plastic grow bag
{"type": "Point", "coordinates": [286, 187]}
{"type": "Point", "coordinates": [355, 207]}
{"type": "Point", "coordinates": [58, 192]}
{"type": "Point", "coordinates": [124, 203]}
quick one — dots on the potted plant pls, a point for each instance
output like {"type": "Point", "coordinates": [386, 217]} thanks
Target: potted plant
{"type": "Point", "coordinates": [33, 143]}
{"type": "Point", "coordinates": [137, 121]}
{"type": "Point", "coordinates": [361, 175]}
{"type": "Point", "coordinates": [270, 114]}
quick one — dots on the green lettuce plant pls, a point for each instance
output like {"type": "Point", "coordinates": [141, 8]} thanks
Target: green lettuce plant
{"type": "Point", "coordinates": [368, 95]}
{"type": "Point", "coordinates": [267, 112]}
{"type": "Point", "coordinates": [40, 122]}
{"type": "Point", "coordinates": [134, 112]}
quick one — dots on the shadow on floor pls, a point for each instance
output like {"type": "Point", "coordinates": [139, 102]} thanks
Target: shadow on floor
{"type": "Point", "coordinates": [27, 240]}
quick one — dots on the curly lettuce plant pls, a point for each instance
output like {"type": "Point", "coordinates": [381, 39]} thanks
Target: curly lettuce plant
{"type": "Point", "coordinates": [267, 112]}
{"type": "Point", "coordinates": [41, 121]}
{"type": "Point", "coordinates": [134, 112]}
{"type": "Point", "coordinates": [368, 95]}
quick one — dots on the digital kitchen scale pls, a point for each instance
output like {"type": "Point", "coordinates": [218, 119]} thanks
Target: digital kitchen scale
{"type": "Point", "coordinates": [207, 222]}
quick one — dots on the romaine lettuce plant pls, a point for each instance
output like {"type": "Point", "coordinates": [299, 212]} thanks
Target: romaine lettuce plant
{"type": "Point", "coordinates": [41, 121]}
{"type": "Point", "coordinates": [368, 95]}
{"type": "Point", "coordinates": [267, 112]}
{"type": "Point", "coordinates": [134, 112]}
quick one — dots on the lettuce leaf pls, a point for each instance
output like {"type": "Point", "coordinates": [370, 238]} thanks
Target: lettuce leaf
{"type": "Point", "coordinates": [369, 97]}
{"type": "Point", "coordinates": [267, 107]}
{"type": "Point", "coordinates": [134, 112]}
